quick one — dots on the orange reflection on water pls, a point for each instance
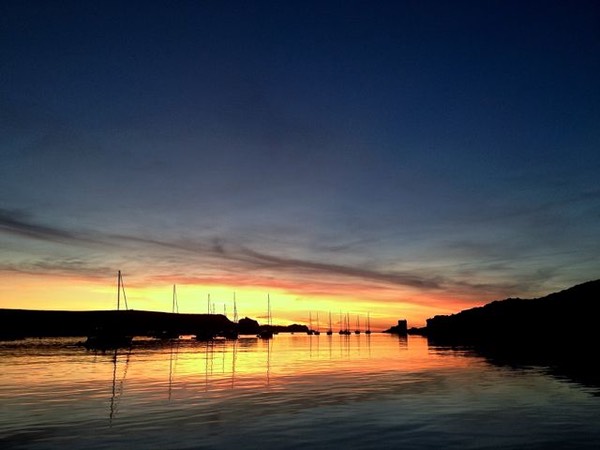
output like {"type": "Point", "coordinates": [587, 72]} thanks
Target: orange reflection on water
{"type": "Point", "coordinates": [177, 371]}
{"type": "Point", "coordinates": [250, 362]}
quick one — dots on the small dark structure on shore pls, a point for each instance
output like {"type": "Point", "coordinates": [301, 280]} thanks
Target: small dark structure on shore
{"type": "Point", "coordinates": [400, 329]}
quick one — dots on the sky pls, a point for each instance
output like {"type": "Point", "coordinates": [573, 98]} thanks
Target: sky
{"type": "Point", "coordinates": [395, 160]}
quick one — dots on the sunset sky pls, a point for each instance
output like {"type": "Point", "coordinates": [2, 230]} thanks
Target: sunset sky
{"type": "Point", "coordinates": [402, 159]}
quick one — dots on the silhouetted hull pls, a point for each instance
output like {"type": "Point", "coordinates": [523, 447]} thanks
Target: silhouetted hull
{"type": "Point", "coordinates": [266, 334]}
{"type": "Point", "coordinates": [107, 342]}
{"type": "Point", "coordinates": [231, 335]}
{"type": "Point", "coordinates": [167, 335]}
{"type": "Point", "coordinates": [204, 336]}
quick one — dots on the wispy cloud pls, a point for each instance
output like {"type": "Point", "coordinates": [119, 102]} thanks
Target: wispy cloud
{"type": "Point", "coordinates": [19, 224]}
{"type": "Point", "coordinates": [262, 260]}
{"type": "Point", "coordinates": [61, 267]}
{"type": "Point", "coordinates": [224, 260]}
{"type": "Point", "coordinates": [251, 267]}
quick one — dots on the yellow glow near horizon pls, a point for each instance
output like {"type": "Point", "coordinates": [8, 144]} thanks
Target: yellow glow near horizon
{"type": "Point", "coordinates": [66, 293]}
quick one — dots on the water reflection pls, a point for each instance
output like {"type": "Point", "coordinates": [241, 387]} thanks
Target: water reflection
{"type": "Point", "coordinates": [575, 365]}
{"type": "Point", "coordinates": [251, 362]}
{"type": "Point", "coordinates": [174, 344]}
{"type": "Point", "coordinates": [320, 391]}
{"type": "Point", "coordinates": [269, 344]}
{"type": "Point", "coordinates": [403, 341]}
{"type": "Point", "coordinates": [117, 383]}
{"type": "Point", "coordinates": [224, 368]}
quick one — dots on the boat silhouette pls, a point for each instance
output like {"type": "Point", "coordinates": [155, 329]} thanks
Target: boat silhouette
{"type": "Point", "coordinates": [368, 330]}
{"type": "Point", "coordinates": [345, 325]}
{"type": "Point", "coordinates": [357, 331]}
{"type": "Point", "coordinates": [310, 330]}
{"type": "Point", "coordinates": [267, 331]}
{"type": "Point", "coordinates": [112, 334]}
{"type": "Point", "coordinates": [330, 330]}
{"type": "Point", "coordinates": [206, 334]}
{"type": "Point", "coordinates": [232, 333]}
{"type": "Point", "coordinates": [170, 332]}
{"type": "Point", "coordinates": [317, 332]}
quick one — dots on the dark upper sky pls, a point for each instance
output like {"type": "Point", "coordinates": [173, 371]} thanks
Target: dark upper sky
{"type": "Point", "coordinates": [434, 144]}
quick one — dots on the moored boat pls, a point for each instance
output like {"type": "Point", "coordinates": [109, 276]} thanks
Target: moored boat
{"type": "Point", "coordinates": [113, 333]}
{"type": "Point", "coordinates": [267, 331]}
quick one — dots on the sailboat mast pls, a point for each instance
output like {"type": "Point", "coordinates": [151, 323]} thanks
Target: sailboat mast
{"type": "Point", "coordinates": [235, 314]}
{"type": "Point", "coordinates": [174, 306]}
{"type": "Point", "coordinates": [118, 290]}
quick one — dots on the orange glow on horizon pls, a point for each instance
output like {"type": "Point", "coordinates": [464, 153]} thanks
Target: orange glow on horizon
{"type": "Point", "coordinates": [289, 303]}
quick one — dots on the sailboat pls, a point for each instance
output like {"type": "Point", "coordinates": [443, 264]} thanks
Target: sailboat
{"type": "Point", "coordinates": [357, 331]}
{"type": "Point", "coordinates": [368, 330]}
{"type": "Point", "coordinates": [206, 333]}
{"type": "Point", "coordinates": [345, 324]}
{"type": "Point", "coordinates": [171, 332]}
{"type": "Point", "coordinates": [111, 336]}
{"type": "Point", "coordinates": [330, 330]}
{"type": "Point", "coordinates": [232, 333]}
{"type": "Point", "coordinates": [317, 332]}
{"type": "Point", "coordinates": [310, 331]}
{"type": "Point", "coordinates": [267, 331]}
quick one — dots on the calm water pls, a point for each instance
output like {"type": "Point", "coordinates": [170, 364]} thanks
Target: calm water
{"type": "Point", "coordinates": [291, 392]}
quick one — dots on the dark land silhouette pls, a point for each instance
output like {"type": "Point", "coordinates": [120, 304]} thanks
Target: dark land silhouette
{"type": "Point", "coordinates": [21, 323]}
{"type": "Point", "coordinates": [557, 319]}
{"type": "Point", "coordinates": [558, 332]}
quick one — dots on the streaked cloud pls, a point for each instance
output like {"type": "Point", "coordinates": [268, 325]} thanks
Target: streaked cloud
{"type": "Point", "coordinates": [20, 224]}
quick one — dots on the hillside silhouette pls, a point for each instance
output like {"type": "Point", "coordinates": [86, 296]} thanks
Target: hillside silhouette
{"type": "Point", "coordinates": [556, 319]}
{"type": "Point", "coordinates": [557, 332]}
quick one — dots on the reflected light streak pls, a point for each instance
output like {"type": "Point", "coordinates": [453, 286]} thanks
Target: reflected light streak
{"type": "Point", "coordinates": [175, 370]}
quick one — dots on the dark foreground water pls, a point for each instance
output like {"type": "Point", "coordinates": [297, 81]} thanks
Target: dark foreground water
{"type": "Point", "coordinates": [295, 391]}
